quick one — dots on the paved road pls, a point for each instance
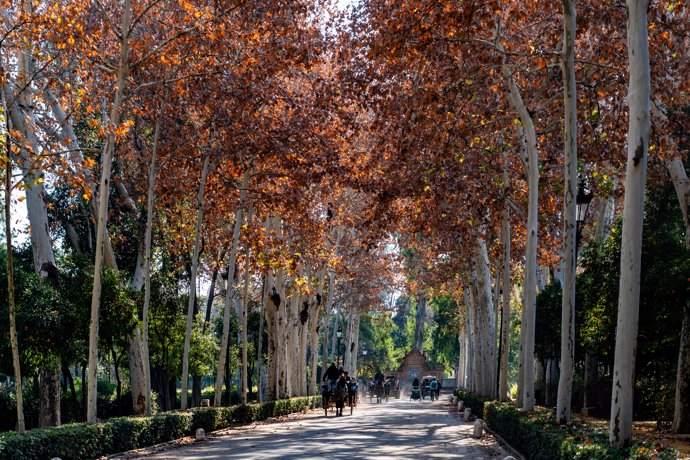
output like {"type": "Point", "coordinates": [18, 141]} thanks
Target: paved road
{"type": "Point", "coordinates": [399, 429]}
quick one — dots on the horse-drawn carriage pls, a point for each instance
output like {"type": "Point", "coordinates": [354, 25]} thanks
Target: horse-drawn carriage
{"type": "Point", "coordinates": [380, 389]}
{"type": "Point", "coordinates": [339, 397]}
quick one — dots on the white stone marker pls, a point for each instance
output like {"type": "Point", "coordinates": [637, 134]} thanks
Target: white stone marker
{"type": "Point", "coordinates": [478, 428]}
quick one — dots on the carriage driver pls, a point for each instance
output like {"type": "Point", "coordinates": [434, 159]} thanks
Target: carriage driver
{"type": "Point", "coordinates": [331, 376]}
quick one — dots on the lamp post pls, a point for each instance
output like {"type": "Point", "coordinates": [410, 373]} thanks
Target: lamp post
{"type": "Point", "coordinates": [338, 333]}
{"type": "Point", "coordinates": [582, 201]}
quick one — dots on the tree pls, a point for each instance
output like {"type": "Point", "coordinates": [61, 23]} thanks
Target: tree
{"type": "Point", "coordinates": [620, 433]}
{"type": "Point", "coordinates": [565, 382]}
{"type": "Point", "coordinates": [5, 142]}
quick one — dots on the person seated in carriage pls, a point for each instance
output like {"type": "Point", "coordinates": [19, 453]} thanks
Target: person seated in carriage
{"type": "Point", "coordinates": [378, 377]}
{"type": "Point", "coordinates": [416, 391]}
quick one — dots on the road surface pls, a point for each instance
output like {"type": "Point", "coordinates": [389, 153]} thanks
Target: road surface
{"type": "Point", "coordinates": [399, 429]}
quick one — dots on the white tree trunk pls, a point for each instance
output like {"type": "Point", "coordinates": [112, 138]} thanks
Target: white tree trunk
{"type": "Point", "coordinates": [530, 294]}
{"type": "Point", "coordinates": [565, 382]}
{"type": "Point", "coordinates": [270, 309]}
{"type": "Point", "coordinates": [303, 345]}
{"type": "Point", "coordinates": [620, 433]}
{"type": "Point", "coordinates": [420, 319]}
{"type": "Point", "coordinates": [245, 312]}
{"type": "Point", "coordinates": [505, 302]}
{"type": "Point", "coordinates": [356, 320]}
{"type": "Point", "coordinates": [107, 161]}
{"type": "Point", "coordinates": [347, 355]}
{"type": "Point", "coordinates": [201, 203]}
{"type": "Point", "coordinates": [484, 311]}
{"type": "Point", "coordinates": [477, 337]}
{"type": "Point", "coordinates": [151, 197]}
{"type": "Point", "coordinates": [470, 337]}
{"type": "Point", "coordinates": [230, 292]}
{"type": "Point", "coordinates": [314, 308]}
{"type": "Point", "coordinates": [282, 339]}
{"type": "Point", "coordinates": [460, 376]}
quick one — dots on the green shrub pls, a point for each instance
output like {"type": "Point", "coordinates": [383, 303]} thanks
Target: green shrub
{"type": "Point", "coordinates": [471, 400]}
{"type": "Point", "coordinates": [536, 435]}
{"type": "Point", "coordinates": [530, 438]}
{"type": "Point", "coordinates": [80, 441]}
{"type": "Point", "coordinates": [76, 441]}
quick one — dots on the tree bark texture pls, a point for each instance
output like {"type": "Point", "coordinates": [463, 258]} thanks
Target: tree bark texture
{"type": "Point", "coordinates": [565, 382]}
{"type": "Point", "coordinates": [620, 432]}
{"type": "Point", "coordinates": [49, 396]}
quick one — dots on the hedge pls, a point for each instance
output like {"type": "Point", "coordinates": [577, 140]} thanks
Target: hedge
{"type": "Point", "coordinates": [537, 436]}
{"type": "Point", "coordinates": [79, 441]}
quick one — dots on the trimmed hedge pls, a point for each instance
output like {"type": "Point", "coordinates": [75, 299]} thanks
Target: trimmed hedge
{"type": "Point", "coordinates": [537, 436]}
{"type": "Point", "coordinates": [80, 441]}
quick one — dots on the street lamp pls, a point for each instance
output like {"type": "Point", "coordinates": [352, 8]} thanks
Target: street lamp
{"type": "Point", "coordinates": [338, 333]}
{"type": "Point", "coordinates": [582, 201]}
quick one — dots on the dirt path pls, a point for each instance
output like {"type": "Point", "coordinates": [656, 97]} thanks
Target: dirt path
{"type": "Point", "coordinates": [398, 429]}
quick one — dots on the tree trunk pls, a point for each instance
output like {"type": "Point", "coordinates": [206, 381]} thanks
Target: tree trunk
{"type": "Point", "coordinates": [420, 318]}
{"type": "Point", "coordinates": [620, 434]}
{"type": "Point", "coordinates": [681, 415]}
{"type": "Point", "coordinates": [49, 396]}
{"type": "Point", "coordinates": [10, 286]}
{"type": "Point", "coordinates": [565, 381]}
{"type": "Point", "coordinates": [485, 313]}
{"type": "Point", "coordinates": [314, 308]}
{"type": "Point", "coordinates": [245, 312]}
{"type": "Point", "coordinates": [150, 202]}
{"type": "Point", "coordinates": [505, 302]}
{"type": "Point", "coordinates": [192, 282]}
{"type": "Point", "coordinates": [118, 387]}
{"type": "Point", "coordinates": [272, 304]}
{"type": "Point", "coordinates": [230, 292]}
{"type": "Point", "coordinates": [68, 377]}
{"type": "Point", "coordinates": [462, 351]}
{"type": "Point", "coordinates": [282, 339]}
{"type": "Point", "coordinates": [137, 372]}
{"type": "Point", "coordinates": [469, 366]}
{"type": "Point", "coordinates": [22, 117]}
{"type": "Point", "coordinates": [530, 296]}
{"type": "Point", "coordinates": [591, 375]}
{"type": "Point", "coordinates": [356, 320]}
{"type": "Point", "coordinates": [478, 340]}
{"type": "Point", "coordinates": [107, 161]}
